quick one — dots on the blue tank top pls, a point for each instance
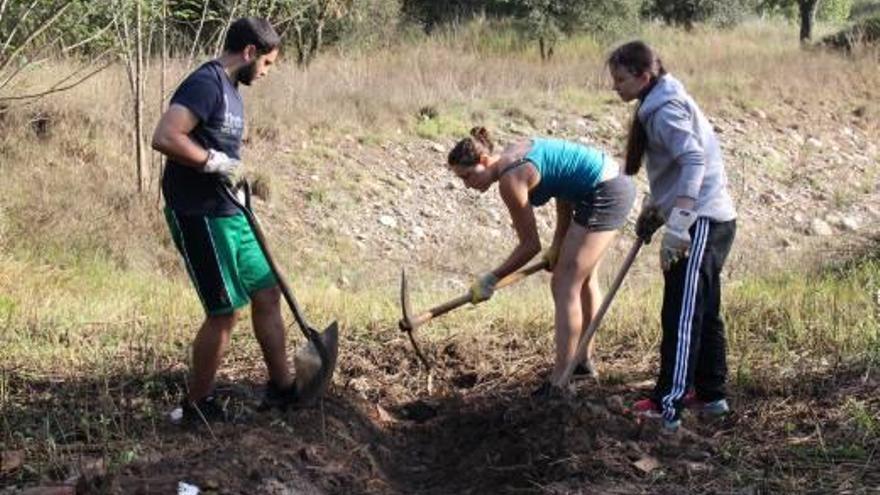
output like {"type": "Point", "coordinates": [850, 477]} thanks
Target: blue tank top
{"type": "Point", "coordinates": [569, 171]}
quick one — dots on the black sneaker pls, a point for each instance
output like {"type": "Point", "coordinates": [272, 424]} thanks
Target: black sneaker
{"type": "Point", "coordinates": [548, 391]}
{"type": "Point", "coordinates": [278, 398]}
{"type": "Point", "coordinates": [584, 370]}
{"type": "Point", "coordinates": [206, 410]}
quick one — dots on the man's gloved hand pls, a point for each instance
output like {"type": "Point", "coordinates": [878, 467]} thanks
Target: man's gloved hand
{"type": "Point", "coordinates": [650, 219]}
{"type": "Point", "coordinates": [677, 238]}
{"type": "Point", "coordinates": [230, 169]}
{"type": "Point", "coordinates": [483, 287]}
{"type": "Point", "coordinates": [551, 255]}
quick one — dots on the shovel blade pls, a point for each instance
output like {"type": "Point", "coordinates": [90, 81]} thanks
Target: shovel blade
{"type": "Point", "coordinates": [310, 383]}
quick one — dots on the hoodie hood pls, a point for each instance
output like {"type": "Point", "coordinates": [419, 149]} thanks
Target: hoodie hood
{"type": "Point", "coordinates": [683, 154]}
{"type": "Point", "coordinates": [667, 89]}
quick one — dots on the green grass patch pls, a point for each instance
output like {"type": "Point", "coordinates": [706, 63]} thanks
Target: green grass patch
{"type": "Point", "coordinates": [444, 125]}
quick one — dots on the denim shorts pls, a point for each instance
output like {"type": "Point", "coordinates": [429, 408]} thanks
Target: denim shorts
{"type": "Point", "coordinates": [607, 207]}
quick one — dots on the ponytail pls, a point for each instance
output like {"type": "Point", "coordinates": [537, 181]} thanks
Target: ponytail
{"type": "Point", "coordinates": [636, 143]}
{"type": "Point", "coordinates": [637, 58]}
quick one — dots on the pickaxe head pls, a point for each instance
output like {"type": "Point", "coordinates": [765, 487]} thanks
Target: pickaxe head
{"type": "Point", "coordinates": [406, 324]}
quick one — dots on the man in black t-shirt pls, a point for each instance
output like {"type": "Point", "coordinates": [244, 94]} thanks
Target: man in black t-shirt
{"type": "Point", "coordinates": [201, 134]}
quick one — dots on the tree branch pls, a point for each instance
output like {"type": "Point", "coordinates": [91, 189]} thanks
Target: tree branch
{"type": "Point", "coordinates": [45, 25]}
{"type": "Point", "coordinates": [55, 87]}
{"type": "Point", "coordinates": [222, 35]}
{"type": "Point", "coordinates": [17, 25]}
{"type": "Point", "coordinates": [2, 8]}
{"type": "Point", "coordinates": [92, 37]}
{"type": "Point", "coordinates": [192, 51]}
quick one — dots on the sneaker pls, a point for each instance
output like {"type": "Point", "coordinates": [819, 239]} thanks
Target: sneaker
{"type": "Point", "coordinates": [713, 408]}
{"type": "Point", "coordinates": [584, 370]}
{"type": "Point", "coordinates": [649, 408]}
{"type": "Point", "coordinates": [671, 426]}
{"type": "Point", "coordinates": [278, 398]}
{"type": "Point", "coordinates": [548, 391]}
{"type": "Point", "coordinates": [208, 409]}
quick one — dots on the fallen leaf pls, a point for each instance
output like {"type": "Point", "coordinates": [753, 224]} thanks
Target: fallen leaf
{"type": "Point", "coordinates": [384, 415]}
{"type": "Point", "coordinates": [696, 467]}
{"type": "Point", "coordinates": [642, 384]}
{"type": "Point", "coordinates": [799, 440]}
{"type": "Point", "coordinates": [647, 464]}
{"type": "Point", "coordinates": [10, 460]}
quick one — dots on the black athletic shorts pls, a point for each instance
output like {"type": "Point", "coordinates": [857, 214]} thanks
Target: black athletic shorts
{"type": "Point", "coordinates": [607, 207]}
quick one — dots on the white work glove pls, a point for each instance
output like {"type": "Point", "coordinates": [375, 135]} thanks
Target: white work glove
{"type": "Point", "coordinates": [483, 287]}
{"type": "Point", "coordinates": [650, 219]}
{"type": "Point", "coordinates": [677, 238]}
{"type": "Point", "coordinates": [230, 169]}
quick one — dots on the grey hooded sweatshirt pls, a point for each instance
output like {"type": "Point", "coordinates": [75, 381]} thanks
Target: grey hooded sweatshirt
{"type": "Point", "coordinates": [683, 155]}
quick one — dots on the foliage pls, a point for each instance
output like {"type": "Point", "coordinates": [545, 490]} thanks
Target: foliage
{"type": "Point", "coordinates": [370, 23]}
{"type": "Point", "coordinates": [430, 14]}
{"type": "Point", "coordinates": [828, 10]}
{"type": "Point", "coordinates": [686, 13]}
{"type": "Point", "coordinates": [864, 8]}
{"type": "Point", "coordinates": [549, 20]}
{"type": "Point", "coordinates": [834, 10]}
{"type": "Point", "coordinates": [866, 31]}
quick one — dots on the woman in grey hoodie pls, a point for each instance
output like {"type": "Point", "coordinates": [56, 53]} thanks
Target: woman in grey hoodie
{"type": "Point", "coordinates": [689, 190]}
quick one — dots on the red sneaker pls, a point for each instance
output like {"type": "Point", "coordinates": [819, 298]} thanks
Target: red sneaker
{"type": "Point", "coordinates": [647, 408]}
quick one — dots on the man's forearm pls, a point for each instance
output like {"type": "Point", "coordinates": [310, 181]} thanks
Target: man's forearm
{"type": "Point", "coordinates": [182, 149]}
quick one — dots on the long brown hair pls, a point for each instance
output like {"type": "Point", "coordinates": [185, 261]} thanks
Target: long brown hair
{"type": "Point", "coordinates": [637, 58]}
{"type": "Point", "coordinates": [467, 152]}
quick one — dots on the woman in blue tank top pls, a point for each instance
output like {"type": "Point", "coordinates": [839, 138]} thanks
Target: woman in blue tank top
{"type": "Point", "coordinates": [592, 202]}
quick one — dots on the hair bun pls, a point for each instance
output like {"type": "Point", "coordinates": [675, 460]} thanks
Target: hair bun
{"type": "Point", "coordinates": [481, 134]}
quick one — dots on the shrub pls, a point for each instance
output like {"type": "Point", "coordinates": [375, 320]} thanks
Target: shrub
{"type": "Point", "coordinates": [864, 32]}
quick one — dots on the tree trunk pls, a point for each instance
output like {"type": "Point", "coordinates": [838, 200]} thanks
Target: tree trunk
{"type": "Point", "coordinates": [808, 10]}
{"type": "Point", "coordinates": [142, 177]}
{"type": "Point", "coordinates": [162, 85]}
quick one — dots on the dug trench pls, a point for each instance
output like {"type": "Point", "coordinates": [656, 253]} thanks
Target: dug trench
{"type": "Point", "coordinates": [477, 431]}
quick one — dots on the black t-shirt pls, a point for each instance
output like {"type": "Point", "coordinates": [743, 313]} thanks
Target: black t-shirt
{"type": "Point", "coordinates": [210, 95]}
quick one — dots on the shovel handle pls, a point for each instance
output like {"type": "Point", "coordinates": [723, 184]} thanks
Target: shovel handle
{"type": "Point", "coordinates": [310, 333]}
{"type": "Point", "coordinates": [606, 303]}
{"type": "Point", "coordinates": [466, 298]}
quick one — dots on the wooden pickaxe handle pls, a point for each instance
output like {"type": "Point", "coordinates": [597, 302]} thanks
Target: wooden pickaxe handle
{"type": "Point", "coordinates": [466, 298]}
{"type": "Point", "coordinates": [606, 303]}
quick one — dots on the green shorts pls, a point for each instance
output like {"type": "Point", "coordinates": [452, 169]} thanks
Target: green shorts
{"type": "Point", "coordinates": [222, 257]}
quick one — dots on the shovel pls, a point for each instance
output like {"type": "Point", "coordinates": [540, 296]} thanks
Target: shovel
{"type": "Point", "coordinates": [313, 375]}
{"type": "Point", "coordinates": [410, 322]}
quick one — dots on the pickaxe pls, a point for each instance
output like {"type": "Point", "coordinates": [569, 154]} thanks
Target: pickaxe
{"type": "Point", "coordinates": [409, 322]}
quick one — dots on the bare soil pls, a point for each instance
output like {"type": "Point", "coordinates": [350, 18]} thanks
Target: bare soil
{"type": "Point", "coordinates": [380, 431]}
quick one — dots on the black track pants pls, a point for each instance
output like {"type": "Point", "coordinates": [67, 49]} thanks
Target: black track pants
{"type": "Point", "coordinates": [693, 352]}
